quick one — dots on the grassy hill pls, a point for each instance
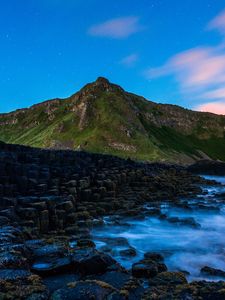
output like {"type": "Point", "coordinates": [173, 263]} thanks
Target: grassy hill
{"type": "Point", "coordinates": [102, 117]}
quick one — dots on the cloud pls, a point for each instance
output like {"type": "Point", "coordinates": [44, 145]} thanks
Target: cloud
{"type": "Point", "coordinates": [200, 72]}
{"type": "Point", "coordinates": [218, 22]}
{"type": "Point", "coordinates": [214, 107]}
{"type": "Point", "coordinates": [195, 68]}
{"type": "Point", "coordinates": [216, 94]}
{"type": "Point", "coordinates": [130, 60]}
{"type": "Point", "coordinates": [118, 28]}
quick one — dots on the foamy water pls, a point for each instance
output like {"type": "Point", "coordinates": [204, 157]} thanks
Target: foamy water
{"type": "Point", "coordinates": [184, 247]}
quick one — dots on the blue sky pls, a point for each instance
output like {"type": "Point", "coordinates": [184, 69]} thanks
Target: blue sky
{"type": "Point", "coordinates": [167, 51]}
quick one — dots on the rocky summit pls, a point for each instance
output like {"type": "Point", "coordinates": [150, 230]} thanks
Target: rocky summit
{"type": "Point", "coordinates": [103, 118]}
{"type": "Point", "coordinates": [50, 202]}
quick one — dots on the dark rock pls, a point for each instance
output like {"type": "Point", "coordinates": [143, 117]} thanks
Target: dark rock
{"type": "Point", "coordinates": [84, 290]}
{"type": "Point", "coordinates": [21, 284]}
{"type": "Point", "coordinates": [14, 274]}
{"type": "Point", "coordinates": [59, 281]}
{"type": "Point", "coordinates": [12, 261]}
{"type": "Point", "coordinates": [85, 243]}
{"type": "Point", "coordinates": [195, 290]}
{"type": "Point", "coordinates": [4, 221]}
{"type": "Point", "coordinates": [190, 222]}
{"type": "Point", "coordinates": [120, 241]}
{"type": "Point", "coordinates": [142, 270]}
{"type": "Point", "coordinates": [184, 221]}
{"type": "Point", "coordinates": [130, 252]}
{"type": "Point", "coordinates": [117, 279]}
{"type": "Point", "coordinates": [49, 250]}
{"type": "Point", "coordinates": [212, 272]}
{"type": "Point", "coordinates": [208, 167]}
{"type": "Point", "coordinates": [52, 265]}
{"type": "Point", "coordinates": [168, 278]}
{"type": "Point", "coordinates": [154, 256]}
{"type": "Point", "coordinates": [147, 268]}
{"type": "Point", "coordinates": [89, 262]}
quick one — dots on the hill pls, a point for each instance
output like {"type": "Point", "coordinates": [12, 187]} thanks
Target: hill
{"type": "Point", "coordinates": [104, 118]}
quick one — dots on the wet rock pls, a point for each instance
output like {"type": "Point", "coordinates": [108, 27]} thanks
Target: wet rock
{"type": "Point", "coordinates": [59, 281]}
{"type": "Point", "coordinates": [153, 212]}
{"type": "Point", "coordinates": [72, 229]}
{"type": "Point", "coordinates": [52, 265]}
{"type": "Point", "coordinates": [154, 256]}
{"type": "Point", "coordinates": [201, 290]}
{"type": "Point", "coordinates": [130, 252]}
{"type": "Point", "coordinates": [12, 260]}
{"type": "Point", "coordinates": [87, 290]}
{"type": "Point", "coordinates": [14, 274]}
{"type": "Point", "coordinates": [21, 284]}
{"type": "Point", "coordinates": [184, 221]}
{"type": "Point", "coordinates": [175, 220]}
{"type": "Point", "coordinates": [90, 261]}
{"type": "Point", "coordinates": [44, 220]}
{"type": "Point", "coordinates": [4, 221]}
{"type": "Point", "coordinates": [208, 167]}
{"type": "Point", "coordinates": [190, 222]}
{"type": "Point", "coordinates": [112, 242]}
{"type": "Point", "coordinates": [117, 279]}
{"type": "Point", "coordinates": [49, 250]}
{"type": "Point", "coordinates": [132, 290]}
{"type": "Point", "coordinates": [208, 207]}
{"type": "Point", "coordinates": [185, 272]}
{"type": "Point", "coordinates": [168, 278]}
{"type": "Point", "coordinates": [147, 268]}
{"type": "Point", "coordinates": [212, 272]}
{"type": "Point", "coordinates": [85, 243]}
{"type": "Point", "coordinates": [106, 249]}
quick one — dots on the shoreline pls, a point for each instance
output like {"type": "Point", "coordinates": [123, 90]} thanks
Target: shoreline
{"type": "Point", "coordinates": [51, 198]}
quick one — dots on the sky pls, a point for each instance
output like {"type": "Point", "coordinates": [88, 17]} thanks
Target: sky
{"type": "Point", "coordinates": [168, 51]}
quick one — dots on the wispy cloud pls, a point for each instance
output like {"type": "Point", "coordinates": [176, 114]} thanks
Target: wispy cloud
{"type": "Point", "coordinates": [200, 72]}
{"type": "Point", "coordinates": [117, 28]}
{"type": "Point", "coordinates": [197, 68]}
{"type": "Point", "coordinates": [218, 94]}
{"type": "Point", "coordinates": [218, 22]}
{"type": "Point", "coordinates": [217, 107]}
{"type": "Point", "coordinates": [130, 60]}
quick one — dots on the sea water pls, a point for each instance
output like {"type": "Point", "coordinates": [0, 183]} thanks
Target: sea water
{"type": "Point", "coordinates": [184, 248]}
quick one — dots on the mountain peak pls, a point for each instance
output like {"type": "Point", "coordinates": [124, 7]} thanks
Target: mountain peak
{"type": "Point", "coordinates": [102, 80]}
{"type": "Point", "coordinates": [101, 84]}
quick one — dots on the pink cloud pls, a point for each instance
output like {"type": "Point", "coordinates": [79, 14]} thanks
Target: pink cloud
{"type": "Point", "coordinates": [116, 28]}
{"type": "Point", "coordinates": [194, 68]}
{"type": "Point", "coordinates": [215, 94]}
{"type": "Point", "coordinates": [213, 107]}
{"type": "Point", "coordinates": [199, 72]}
{"type": "Point", "coordinates": [218, 22]}
{"type": "Point", "coordinates": [130, 60]}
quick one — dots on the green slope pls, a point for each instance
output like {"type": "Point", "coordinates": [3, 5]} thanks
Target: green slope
{"type": "Point", "coordinates": [102, 117]}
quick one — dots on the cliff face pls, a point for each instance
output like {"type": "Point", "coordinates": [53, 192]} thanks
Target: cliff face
{"type": "Point", "coordinates": [104, 118]}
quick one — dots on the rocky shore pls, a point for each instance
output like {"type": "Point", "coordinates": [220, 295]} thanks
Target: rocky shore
{"type": "Point", "coordinates": [51, 200]}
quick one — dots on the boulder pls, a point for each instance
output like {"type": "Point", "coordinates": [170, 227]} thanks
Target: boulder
{"type": "Point", "coordinates": [117, 279]}
{"type": "Point", "coordinates": [154, 256]}
{"type": "Point", "coordinates": [90, 261]}
{"type": "Point", "coordinates": [201, 290]}
{"type": "Point", "coordinates": [130, 252]}
{"type": "Point", "coordinates": [84, 290]}
{"type": "Point", "coordinates": [21, 284]}
{"type": "Point", "coordinates": [212, 272]}
{"type": "Point", "coordinates": [147, 268]}
{"type": "Point", "coordinates": [52, 265]}
{"type": "Point", "coordinates": [85, 243]}
{"type": "Point", "coordinates": [168, 278]}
